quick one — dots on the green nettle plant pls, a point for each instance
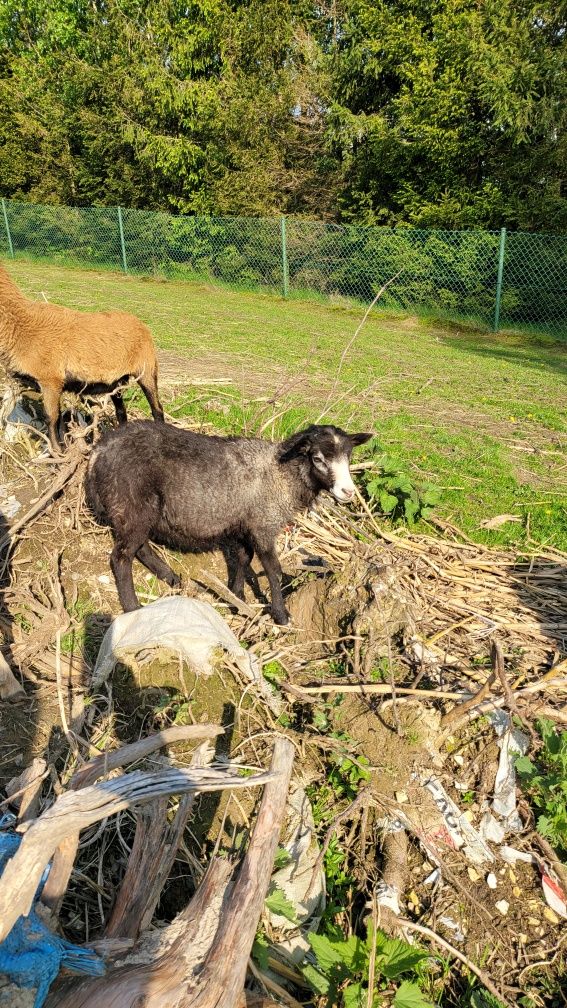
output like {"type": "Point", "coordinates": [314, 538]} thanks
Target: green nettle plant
{"type": "Point", "coordinates": [342, 971]}
{"type": "Point", "coordinates": [545, 781]}
{"type": "Point", "coordinates": [391, 489]}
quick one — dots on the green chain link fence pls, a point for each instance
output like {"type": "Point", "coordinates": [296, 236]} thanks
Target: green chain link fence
{"type": "Point", "coordinates": [495, 279]}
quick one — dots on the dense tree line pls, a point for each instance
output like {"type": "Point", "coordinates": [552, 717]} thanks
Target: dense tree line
{"type": "Point", "coordinates": [432, 113]}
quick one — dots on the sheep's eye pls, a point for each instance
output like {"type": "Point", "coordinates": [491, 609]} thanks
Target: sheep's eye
{"type": "Point", "coordinates": [320, 462]}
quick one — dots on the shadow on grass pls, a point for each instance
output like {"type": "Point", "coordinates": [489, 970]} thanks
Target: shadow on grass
{"type": "Point", "coordinates": [524, 349]}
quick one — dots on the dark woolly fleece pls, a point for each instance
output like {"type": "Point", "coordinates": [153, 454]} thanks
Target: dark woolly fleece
{"type": "Point", "coordinates": [185, 490]}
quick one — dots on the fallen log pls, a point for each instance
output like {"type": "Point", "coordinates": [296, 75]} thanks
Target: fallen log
{"type": "Point", "coordinates": [75, 810]}
{"type": "Point", "coordinates": [64, 857]}
{"type": "Point", "coordinates": [200, 960]}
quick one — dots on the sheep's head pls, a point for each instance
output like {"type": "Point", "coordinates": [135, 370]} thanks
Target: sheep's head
{"type": "Point", "coordinates": [328, 450]}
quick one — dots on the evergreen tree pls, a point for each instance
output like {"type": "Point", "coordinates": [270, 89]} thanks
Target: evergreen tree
{"type": "Point", "coordinates": [451, 113]}
{"type": "Point", "coordinates": [432, 113]}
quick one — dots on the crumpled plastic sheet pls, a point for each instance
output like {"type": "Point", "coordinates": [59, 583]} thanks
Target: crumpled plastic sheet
{"type": "Point", "coordinates": [302, 880]}
{"type": "Point", "coordinates": [189, 628]}
{"type": "Point", "coordinates": [9, 504]}
{"type": "Point", "coordinates": [14, 414]}
{"type": "Point", "coordinates": [31, 955]}
{"type": "Point", "coordinates": [502, 818]}
{"type": "Point", "coordinates": [458, 830]}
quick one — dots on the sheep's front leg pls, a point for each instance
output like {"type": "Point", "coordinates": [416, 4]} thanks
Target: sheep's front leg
{"type": "Point", "coordinates": [272, 567]}
{"type": "Point", "coordinates": [51, 403]}
{"type": "Point", "coordinates": [121, 560]}
{"type": "Point", "coordinates": [119, 407]}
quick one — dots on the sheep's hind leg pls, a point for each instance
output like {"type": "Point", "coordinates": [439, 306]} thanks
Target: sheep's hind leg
{"type": "Point", "coordinates": [244, 556]}
{"type": "Point", "coordinates": [157, 566]}
{"type": "Point", "coordinates": [121, 560]}
{"type": "Point", "coordinates": [51, 404]}
{"type": "Point", "coordinates": [150, 391]}
{"type": "Point", "coordinates": [272, 567]}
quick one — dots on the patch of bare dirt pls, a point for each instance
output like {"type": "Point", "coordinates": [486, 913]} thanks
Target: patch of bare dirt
{"type": "Point", "coordinates": [178, 372]}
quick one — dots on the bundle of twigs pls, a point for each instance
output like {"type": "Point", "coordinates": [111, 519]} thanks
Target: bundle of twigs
{"type": "Point", "coordinates": [465, 591]}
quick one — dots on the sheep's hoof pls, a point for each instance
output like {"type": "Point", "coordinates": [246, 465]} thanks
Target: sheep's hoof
{"type": "Point", "coordinates": [174, 581]}
{"type": "Point", "coordinates": [282, 619]}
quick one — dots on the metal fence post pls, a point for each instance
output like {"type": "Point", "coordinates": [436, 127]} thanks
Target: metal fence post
{"type": "Point", "coordinates": [7, 226]}
{"type": "Point", "coordinates": [285, 270]}
{"type": "Point", "coordinates": [122, 243]}
{"type": "Point", "coordinates": [500, 277]}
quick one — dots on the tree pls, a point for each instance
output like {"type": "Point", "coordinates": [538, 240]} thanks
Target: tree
{"type": "Point", "coordinates": [450, 113]}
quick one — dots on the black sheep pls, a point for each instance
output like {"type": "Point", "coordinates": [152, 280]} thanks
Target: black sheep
{"type": "Point", "coordinates": [186, 490]}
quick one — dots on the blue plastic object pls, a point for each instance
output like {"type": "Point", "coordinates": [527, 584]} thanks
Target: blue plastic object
{"type": "Point", "coordinates": [32, 955]}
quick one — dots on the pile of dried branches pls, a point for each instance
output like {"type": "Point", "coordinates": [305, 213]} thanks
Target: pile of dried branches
{"type": "Point", "coordinates": [463, 595]}
{"type": "Point", "coordinates": [486, 627]}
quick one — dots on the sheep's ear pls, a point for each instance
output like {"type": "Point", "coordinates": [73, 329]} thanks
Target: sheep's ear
{"type": "Point", "coordinates": [358, 439]}
{"type": "Point", "coordinates": [297, 444]}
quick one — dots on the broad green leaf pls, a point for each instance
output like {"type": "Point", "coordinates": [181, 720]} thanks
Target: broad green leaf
{"type": "Point", "coordinates": [327, 952]}
{"type": "Point", "coordinates": [282, 858]}
{"type": "Point", "coordinates": [355, 996]}
{"type": "Point", "coordinates": [316, 979]}
{"type": "Point", "coordinates": [373, 486]}
{"type": "Point", "coordinates": [397, 957]}
{"type": "Point", "coordinates": [278, 903]}
{"type": "Point", "coordinates": [524, 765]}
{"type": "Point", "coordinates": [260, 950]}
{"type": "Point", "coordinates": [387, 502]}
{"type": "Point", "coordinates": [431, 496]}
{"type": "Point", "coordinates": [388, 464]}
{"type": "Point", "coordinates": [410, 508]}
{"type": "Point", "coordinates": [550, 736]}
{"type": "Point", "coordinates": [482, 999]}
{"type": "Point", "coordinates": [353, 952]}
{"type": "Point", "coordinates": [544, 826]}
{"type": "Point", "coordinates": [408, 995]}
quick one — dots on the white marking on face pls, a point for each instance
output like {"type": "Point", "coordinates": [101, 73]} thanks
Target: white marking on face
{"type": "Point", "coordinates": [343, 487]}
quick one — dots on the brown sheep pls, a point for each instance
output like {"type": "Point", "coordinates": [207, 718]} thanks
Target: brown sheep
{"type": "Point", "coordinates": [54, 349]}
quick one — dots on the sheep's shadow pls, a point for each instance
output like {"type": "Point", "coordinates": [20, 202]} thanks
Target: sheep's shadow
{"type": "Point", "coordinates": [18, 707]}
{"type": "Point", "coordinates": [550, 607]}
{"type": "Point", "coordinates": [143, 701]}
{"type": "Point", "coordinates": [527, 350]}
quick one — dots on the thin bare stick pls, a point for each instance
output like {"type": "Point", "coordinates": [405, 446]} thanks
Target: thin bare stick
{"type": "Point", "coordinates": [345, 814]}
{"type": "Point", "coordinates": [213, 583]}
{"type": "Point", "coordinates": [383, 689]}
{"type": "Point", "coordinates": [271, 985]}
{"type": "Point", "coordinates": [70, 738]}
{"type": "Point", "coordinates": [335, 385]}
{"type": "Point", "coordinates": [372, 959]}
{"type": "Point", "coordinates": [482, 976]}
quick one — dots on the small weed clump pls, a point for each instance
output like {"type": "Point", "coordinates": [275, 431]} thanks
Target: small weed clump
{"type": "Point", "coordinates": [342, 971]}
{"type": "Point", "coordinates": [390, 488]}
{"type": "Point", "coordinates": [545, 782]}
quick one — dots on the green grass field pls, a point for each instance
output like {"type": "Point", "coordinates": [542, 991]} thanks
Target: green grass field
{"type": "Point", "coordinates": [481, 416]}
